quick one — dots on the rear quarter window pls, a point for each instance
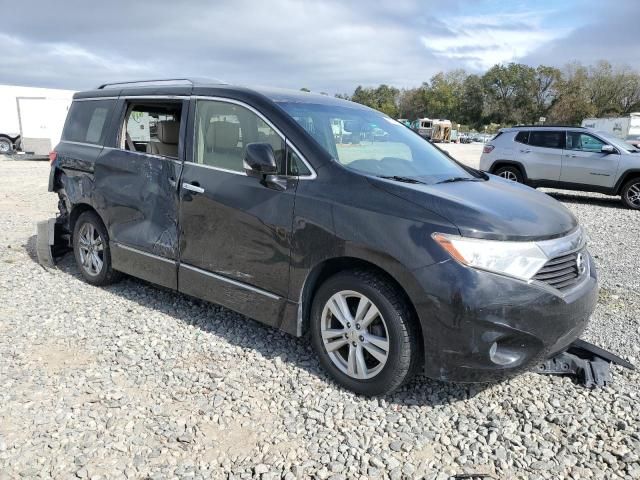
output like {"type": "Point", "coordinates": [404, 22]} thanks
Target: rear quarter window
{"type": "Point", "coordinates": [522, 137]}
{"type": "Point", "coordinates": [87, 121]}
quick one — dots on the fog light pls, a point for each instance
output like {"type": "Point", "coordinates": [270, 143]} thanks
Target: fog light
{"type": "Point", "coordinates": [502, 356]}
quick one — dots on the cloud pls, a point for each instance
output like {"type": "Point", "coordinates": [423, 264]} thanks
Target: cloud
{"type": "Point", "coordinates": [325, 45]}
{"type": "Point", "coordinates": [480, 41]}
{"type": "Point", "coordinates": [612, 34]}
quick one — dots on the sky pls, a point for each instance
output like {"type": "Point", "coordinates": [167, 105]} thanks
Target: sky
{"type": "Point", "coordinates": [325, 45]}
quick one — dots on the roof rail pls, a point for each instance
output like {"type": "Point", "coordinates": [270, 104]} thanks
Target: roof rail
{"type": "Point", "coordinates": [160, 81]}
{"type": "Point", "coordinates": [546, 126]}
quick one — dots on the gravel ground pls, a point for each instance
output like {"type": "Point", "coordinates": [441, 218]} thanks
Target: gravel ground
{"type": "Point", "coordinates": [133, 381]}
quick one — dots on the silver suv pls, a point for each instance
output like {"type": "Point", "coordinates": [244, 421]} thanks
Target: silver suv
{"type": "Point", "coordinates": [572, 158]}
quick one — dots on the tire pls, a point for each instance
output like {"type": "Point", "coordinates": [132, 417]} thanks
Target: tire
{"type": "Point", "coordinates": [631, 194]}
{"type": "Point", "coordinates": [89, 237]}
{"type": "Point", "coordinates": [6, 146]}
{"type": "Point", "coordinates": [510, 173]}
{"type": "Point", "coordinates": [388, 317]}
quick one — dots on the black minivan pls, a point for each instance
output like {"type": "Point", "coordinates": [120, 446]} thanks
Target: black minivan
{"type": "Point", "coordinates": [321, 216]}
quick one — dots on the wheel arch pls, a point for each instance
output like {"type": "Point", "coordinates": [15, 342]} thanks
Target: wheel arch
{"type": "Point", "coordinates": [77, 210]}
{"type": "Point", "coordinates": [509, 163]}
{"type": "Point", "coordinates": [624, 178]}
{"type": "Point", "coordinates": [331, 266]}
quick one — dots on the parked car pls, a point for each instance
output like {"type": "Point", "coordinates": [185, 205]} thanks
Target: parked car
{"type": "Point", "coordinates": [634, 140]}
{"type": "Point", "coordinates": [391, 255]}
{"type": "Point", "coordinates": [572, 158]}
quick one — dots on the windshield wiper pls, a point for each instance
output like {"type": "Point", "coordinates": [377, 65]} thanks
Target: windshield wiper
{"type": "Point", "coordinates": [459, 179]}
{"type": "Point", "coordinates": [399, 178]}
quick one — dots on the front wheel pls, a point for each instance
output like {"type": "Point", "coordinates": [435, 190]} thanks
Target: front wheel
{"type": "Point", "coordinates": [631, 194]}
{"type": "Point", "coordinates": [6, 146]}
{"type": "Point", "coordinates": [510, 173]}
{"type": "Point", "coordinates": [364, 333]}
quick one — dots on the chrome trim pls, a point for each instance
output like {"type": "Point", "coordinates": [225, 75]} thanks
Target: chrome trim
{"type": "Point", "coordinates": [313, 175]}
{"type": "Point", "coordinates": [94, 99]}
{"type": "Point", "coordinates": [192, 188]}
{"type": "Point", "coordinates": [144, 154]}
{"type": "Point", "coordinates": [215, 168]}
{"type": "Point", "coordinates": [232, 282]}
{"type": "Point", "coordinates": [84, 144]}
{"type": "Point", "coordinates": [140, 252]}
{"type": "Point", "coordinates": [155, 97]}
{"type": "Point", "coordinates": [556, 247]}
{"type": "Point", "coordinates": [267, 121]}
{"type": "Point", "coordinates": [582, 278]}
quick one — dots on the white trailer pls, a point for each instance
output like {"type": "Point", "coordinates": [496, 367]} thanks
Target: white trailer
{"type": "Point", "coordinates": [31, 119]}
{"type": "Point", "coordinates": [625, 128]}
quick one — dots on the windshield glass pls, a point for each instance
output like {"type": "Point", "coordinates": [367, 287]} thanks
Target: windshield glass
{"type": "Point", "coordinates": [372, 143]}
{"type": "Point", "coordinates": [616, 142]}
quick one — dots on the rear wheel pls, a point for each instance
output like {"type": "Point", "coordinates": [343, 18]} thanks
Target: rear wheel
{"type": "Point", "coordinates": [631, 194]}
{"type": "Point", "coordinates": [364, 333]}
{"type": "Point", "coordinates": [91, 250]}
{"type": "Point", "coordinates": [6, 146]}
{"type": "Point", "coordinates": [510, 173]}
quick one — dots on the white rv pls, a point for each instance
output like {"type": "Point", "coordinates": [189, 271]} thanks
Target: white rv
{"type": "Point", "coordinates": [31, 119]}
{"type": "Point", "coordinates": [625, 128]}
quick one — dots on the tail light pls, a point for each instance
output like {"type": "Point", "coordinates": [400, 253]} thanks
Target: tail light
{"type": "Point", "coordinates": [52, 156]}
{"type": "Point", "coordinates": [488, 149]}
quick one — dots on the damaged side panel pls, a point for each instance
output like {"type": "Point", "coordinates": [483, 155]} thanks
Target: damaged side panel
{"type": "Point", "coordinates": [138, 202]}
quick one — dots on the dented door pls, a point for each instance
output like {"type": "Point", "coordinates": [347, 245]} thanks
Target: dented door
{"type": "Point", "coordinates": [139, 201]}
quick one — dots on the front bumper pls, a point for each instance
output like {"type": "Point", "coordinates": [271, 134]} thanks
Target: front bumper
{"type": "Point", "coordinates": [479, 326]}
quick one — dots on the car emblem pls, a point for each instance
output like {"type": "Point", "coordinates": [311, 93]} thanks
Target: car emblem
{"type": "Point", "coordinates": [580, 263]}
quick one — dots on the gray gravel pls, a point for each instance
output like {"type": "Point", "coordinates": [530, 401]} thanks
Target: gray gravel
{"type": "Point", "coordinates": [133, 381]}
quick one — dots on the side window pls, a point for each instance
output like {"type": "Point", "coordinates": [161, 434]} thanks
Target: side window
{"type": "Point", "coordinates": [223, 129]}
{"type": "Point", "coordinates": [583, 142]}
{"type": "Point", "coordinates": [152, 128]}
{"type": "Point", "coordinates": [295, 166]}
{"type": "Point", "coordinates": [549, 139]}
{"type": "Point", "coordinates": [522, 137]}
{"type": "Point", "coordinates": [87, 121]}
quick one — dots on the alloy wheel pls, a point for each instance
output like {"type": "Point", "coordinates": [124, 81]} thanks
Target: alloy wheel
{"type": "Point", "coordinates": [354, 335]}
{"type": "Point", "coordinates": [509, 175]}
{"type": "Point", "coordinates": [633, 195]}
{"type": "Point", "coordinates": [91, 249]}
{"type": "Point", "coordinates": [5, 146]}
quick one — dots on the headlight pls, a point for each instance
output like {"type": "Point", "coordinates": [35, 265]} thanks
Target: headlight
{"type": "Point", "coordinates": [516, 259]}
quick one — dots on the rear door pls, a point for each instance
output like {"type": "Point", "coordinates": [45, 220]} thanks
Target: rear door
{"type": "Point", "coordinates": [137, 179]}
{"type": "Point", "coordinates": [542, 156]}
{"type": "Point", "coordinates": [235, 230]}
{"type": "Point", "coordinates": [584, 163]}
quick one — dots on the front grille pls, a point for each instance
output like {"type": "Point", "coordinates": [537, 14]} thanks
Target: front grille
{"type": "Point", "coordinates": [562, 272]}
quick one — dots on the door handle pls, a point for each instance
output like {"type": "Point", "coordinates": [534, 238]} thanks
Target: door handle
{"type": "Point", "coordinates": [525, 151]}
{"type": "Point", "coordinates": [172, 182]}
{"type": "Point", "coordinates": [193, 187]}
{"type": "Point", "coordinates": [572, 155]}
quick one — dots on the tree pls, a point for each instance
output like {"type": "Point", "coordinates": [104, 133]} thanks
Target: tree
{"type": "Point", "coordinates": [573, 103]}
{"type": "Point", "coordinates": [384, 98]}
{"type": "Point", "coordinates": [472, 101]}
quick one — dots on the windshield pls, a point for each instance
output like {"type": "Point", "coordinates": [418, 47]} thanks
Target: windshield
{"type": "Point", "coordinates": [372, 143]}
{"type": "Point", "coordinates": [616, 142]}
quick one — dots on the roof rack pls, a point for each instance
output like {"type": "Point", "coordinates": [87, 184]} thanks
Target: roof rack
{"type": "Point", "coordinates": [160, 82]}
{"type": "Point", "coordinates": [547, 126]}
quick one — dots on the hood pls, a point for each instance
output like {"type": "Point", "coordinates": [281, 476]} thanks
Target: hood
{"type": "Point", "coordinates": [495, 209]}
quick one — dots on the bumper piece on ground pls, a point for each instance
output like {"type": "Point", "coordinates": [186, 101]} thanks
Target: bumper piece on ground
{"type": "Point", "coordinates": [588, 363]}
{"type": "Point", "coordinates": [51, 242]}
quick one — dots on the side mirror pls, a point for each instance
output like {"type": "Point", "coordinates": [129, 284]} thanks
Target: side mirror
{"type": "Point", "coordinates": [259, 160]}
{"type": "Point", "coordinates": [608, 149]}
